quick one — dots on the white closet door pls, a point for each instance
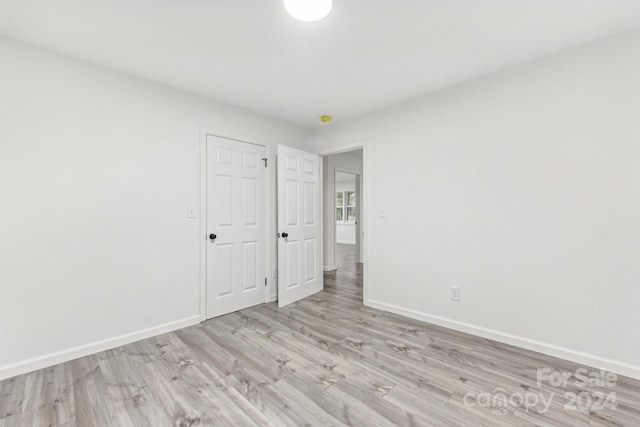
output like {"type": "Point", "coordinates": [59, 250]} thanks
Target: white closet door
{"type": "Point", "coordinates": [236, 212]}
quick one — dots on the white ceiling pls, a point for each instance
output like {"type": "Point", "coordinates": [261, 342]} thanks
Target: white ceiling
{"type": "Point", "coordinates": [366, 55]}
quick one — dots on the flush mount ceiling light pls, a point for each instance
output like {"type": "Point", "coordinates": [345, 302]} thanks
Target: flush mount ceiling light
{"type": "Point", "coordinates": [308, 10]}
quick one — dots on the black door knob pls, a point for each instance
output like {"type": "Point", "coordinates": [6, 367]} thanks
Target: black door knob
{"type": "Point", "coordinates": [285, 235]}
{"type": "Point", "coordinates": [212, 237]}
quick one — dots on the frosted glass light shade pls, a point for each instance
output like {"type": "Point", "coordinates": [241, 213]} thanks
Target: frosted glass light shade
{"type": "Point", "coordinates": [308, 10]}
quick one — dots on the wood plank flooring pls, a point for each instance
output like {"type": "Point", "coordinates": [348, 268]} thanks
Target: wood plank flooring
{"type": "Point", "coordinates": [326, 360]}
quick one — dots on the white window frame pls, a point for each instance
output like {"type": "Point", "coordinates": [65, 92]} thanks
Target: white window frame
{"type": "Point", "coordinates": [344, 207]}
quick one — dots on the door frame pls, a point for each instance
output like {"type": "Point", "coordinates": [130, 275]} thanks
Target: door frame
{"type": "Point", "coordinates": [364, 218]}
{"type": "Point", "coordinates": [203, 232]}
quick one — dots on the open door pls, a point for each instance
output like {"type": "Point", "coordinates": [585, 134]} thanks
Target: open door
{"type": "Point", "coordinates": [299, 225]}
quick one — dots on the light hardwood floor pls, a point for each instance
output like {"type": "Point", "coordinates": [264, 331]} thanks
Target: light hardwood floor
{"type": "Point", "coordinates": [327, 360]}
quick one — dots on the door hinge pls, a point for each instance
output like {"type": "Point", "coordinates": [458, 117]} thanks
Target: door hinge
{"type": "Point", "coordinates": [265, 281]}
{"type": "Point", "coordinates": [265, 161]}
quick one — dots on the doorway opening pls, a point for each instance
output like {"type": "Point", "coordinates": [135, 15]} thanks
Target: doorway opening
{"type": "Point", "coordinates": [346, 218]}
{"type": "Point", "coordinates": [343, 232]}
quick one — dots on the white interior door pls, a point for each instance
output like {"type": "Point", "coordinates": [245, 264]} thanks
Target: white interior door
{"type": "Point", "coordinates": [299, 225]}
{"type": "Point", "coordinates": [236, 214]}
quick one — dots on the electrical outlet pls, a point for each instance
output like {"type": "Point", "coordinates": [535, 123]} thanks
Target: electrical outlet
{"type": "Point", "coordinates": [455, 294]}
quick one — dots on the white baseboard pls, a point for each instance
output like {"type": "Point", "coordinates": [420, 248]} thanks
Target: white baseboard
{"type": "Point", "coordinates": [346, 243]}
{"type": "Point", "coordinates": [329, 267]}
{"type": "Point", "coordinates": [621, 368]}
{"type": "Point", "coordinates": [41, 362]}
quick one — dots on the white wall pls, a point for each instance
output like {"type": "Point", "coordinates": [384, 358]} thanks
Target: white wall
{"type": "Point", "coordinates": [347, 163]}
{"type": "Point", "coordinates": [346, 233]}
{"type": "Point", "coordinates": [523, 189]}
{"type": "Point", "coordinates": [96, 171]}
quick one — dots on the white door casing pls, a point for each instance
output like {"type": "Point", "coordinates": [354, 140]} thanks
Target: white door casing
{"type": "Point", "coordinates": [236, 215]}
{"type": "Point", "coordinates": [299, 219]}
{"type": "Point", "coordinates": [358, 218]}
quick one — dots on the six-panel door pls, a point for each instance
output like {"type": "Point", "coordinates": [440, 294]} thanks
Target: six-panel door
{"type": "Point", "coordinates": [299, 217]}
{"type": "Point", "coordinates": [236, 218]}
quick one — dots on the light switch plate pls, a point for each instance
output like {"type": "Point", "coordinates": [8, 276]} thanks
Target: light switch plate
{"type": "Point", "coordinates": [192, 211]}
